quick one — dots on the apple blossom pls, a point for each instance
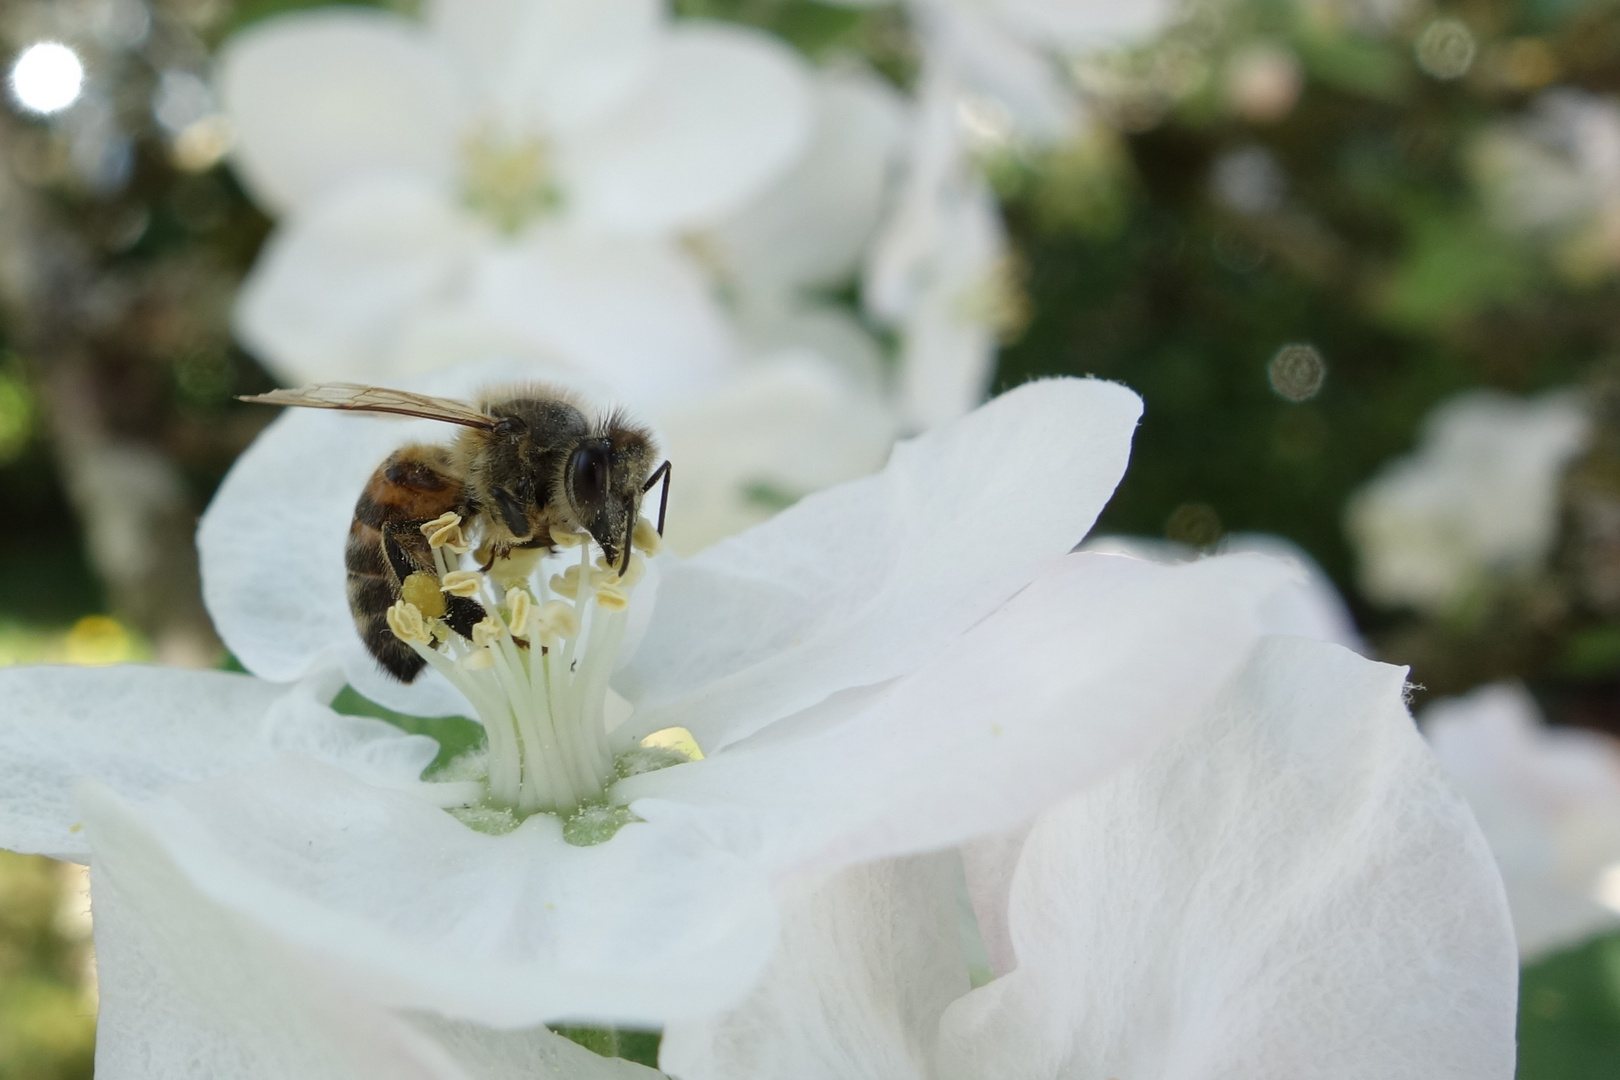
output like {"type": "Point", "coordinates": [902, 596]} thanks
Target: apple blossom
{"type": "Point", "coordinates": [1556, 174]}
{"type": "Point", "coordinates": [1283, 887]}
{"type": "Point", "coordinates": [940, 272]}
{"type": "Point", "coordinates": [1548, 800]}
{"type": "Point", "coordinates": [1010, 54]}
{"type": "Point", "coordinates": [551, 150]}
{"type": "Point", "coordinates": [1478, 499]}
{"type": "Point", "coordinates": [864, 676]}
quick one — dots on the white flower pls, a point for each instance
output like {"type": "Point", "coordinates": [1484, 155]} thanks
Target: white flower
{"type": "Point", "coordinates": [1011, 54]}
{"type": "Point", "coordinates": [1548, 800]}
{"type": "Point", "coordinates": [940, 272]}
{"type": "Point", "coordinates": [1557, 173]}
{"type": "Point", "coordinates": [887, 667]}
{"type": "Point", "coordinates": [809, 232]}
{"type": "Point", "coordinates": [531, 162]}
{"type": "Point", "coordinates": [1284, 887]}
{"type": "Point", "coordinates": [1478, 499]}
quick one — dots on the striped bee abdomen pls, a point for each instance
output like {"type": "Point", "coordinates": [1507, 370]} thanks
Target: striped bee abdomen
{"type": "Point", "coordinates": [414, 485]}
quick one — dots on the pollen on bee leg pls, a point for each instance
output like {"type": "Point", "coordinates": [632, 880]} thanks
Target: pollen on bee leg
{"type": "Point", "coordinates": [421, 591]}
{"type": "Point", "coordinates": [645, 537]}
{"type": "Point", "coordinates": [519, 606]}
{"type": "Point", "coordinates": [486, 632]}
{"type": "Point", "coordinates": [461, 583]}
{"type": "Point", "coordinates": [405, 620]}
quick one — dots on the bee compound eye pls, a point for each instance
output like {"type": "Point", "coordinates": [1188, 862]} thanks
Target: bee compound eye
{"type": "Point", "coordinates": [589, 477]}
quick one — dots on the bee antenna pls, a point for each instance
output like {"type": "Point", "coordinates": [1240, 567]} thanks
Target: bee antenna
{"type": "Point", "coordinates": [660, 473]}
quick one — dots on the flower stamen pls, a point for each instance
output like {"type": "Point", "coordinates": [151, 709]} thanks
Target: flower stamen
{"type": "Point", "coordinates": [535, 668]}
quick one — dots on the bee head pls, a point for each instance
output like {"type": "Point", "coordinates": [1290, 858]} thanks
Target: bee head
{"type": "Point", "coordinates": [603, 481]}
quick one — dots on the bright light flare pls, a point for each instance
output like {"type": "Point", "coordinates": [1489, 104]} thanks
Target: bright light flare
{"type": "Point", "coordinates": [47, 77]}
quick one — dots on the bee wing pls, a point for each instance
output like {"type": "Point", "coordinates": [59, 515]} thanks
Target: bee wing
{"type": "Point", "coordinates": [377, 399]}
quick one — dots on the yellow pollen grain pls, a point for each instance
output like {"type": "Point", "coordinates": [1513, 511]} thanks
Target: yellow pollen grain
{"type": "Point", "coordinates": [645, 537]}
{"type": "Point", "coordinates": [566, 539]}
{"type": "Point", "coordinates": [486, 632]}
{"type": "Point", "coordinates": [556, 619]}
{"type": "Point", "coordinates": [461, 583]}
{"type": "Point", "coordinates": [405, 620]}
{"type": "Point", "coordinates": [519, 606]}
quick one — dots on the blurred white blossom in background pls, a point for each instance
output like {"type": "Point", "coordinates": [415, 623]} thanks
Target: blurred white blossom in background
{"type": "Point", "coordinates": [529, 166]}
{"type": "Point", "coordinates": [1010, 59]}
{"type": "Point", "coordinates": [1477, 500]}
{"type": "Point", "coordinates": [1555, 175]}
{"type": "Point", "coordinates": [1548, 800]}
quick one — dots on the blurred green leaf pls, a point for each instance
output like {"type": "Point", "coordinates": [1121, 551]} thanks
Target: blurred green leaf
{"type": "Point", "coordinates": [1569, 1014]}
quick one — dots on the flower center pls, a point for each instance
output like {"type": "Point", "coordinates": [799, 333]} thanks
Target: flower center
{"type": "Point", "coordinates": [508, 180]}
{"type": "Point", "coordinates": [531, 640]}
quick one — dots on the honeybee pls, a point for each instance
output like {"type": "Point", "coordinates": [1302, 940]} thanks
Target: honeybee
{"type": "Point", "coordinates": [529, 461]}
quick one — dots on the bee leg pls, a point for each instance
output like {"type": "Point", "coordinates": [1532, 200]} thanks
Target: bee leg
{"type": "Point", "coordinates": [660, 473]}
{"type": "Point", "coordinates": [462, 614]}
{"type": "Point", "coordinates": [408, 553]}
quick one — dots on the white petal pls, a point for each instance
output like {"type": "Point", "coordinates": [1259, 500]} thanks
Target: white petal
{"type": "Point", "coordinates": [1548, 801]}
{"type": "Point", "coordinates": [1073, 25]}
{"type": "Point", "coordinates": [139, 730]}
{"type": "Point", "coordinates": [1021, 85]}
{"type": "Point", "coordinates": [813, 225]}
{"type": "Point", "coordinates": [192, 989]}
{"type": "Point", "coordinates": [1086, 668]}
{"type": "Point", "coordinates": [723, 112]}
{"type": "Point", "coordinates": [948, 352]}
{"type": "Point", "coordinates": [831, 331]}
{"type": "Point", "coordinates": [865, 581]}
{"type": "Point", "coordinates": [331, 288]}
{"type": "Point", "coordinates": [557, 64]}
{"type": "Point", "coordinates": [271, 542]}
{"type": "Point", "coordinates": [414, 910]}
{"type": "Point", "coordinates": [787, 426]}
{"type": "Point", "coordinates": [319, 99]}
{"type": "Point", "coordinates": [1311, 607]}
{"type": "Point", "coordinates": [1289, 889]}
{"type": "Point", "coordinates": [868, 962]}
{"type": "Point", "coordinates": [634, 312]}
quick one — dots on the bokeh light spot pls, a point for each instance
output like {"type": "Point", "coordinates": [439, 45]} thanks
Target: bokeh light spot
{"type": "Point", "coordinates": [1297, 372]}
{"type": "Point", "coordinates": [1446, 49]}
{"type": "Point", "coordinates": [47, 77]}
{"type": "Point", "coordinates": [98, 639]}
